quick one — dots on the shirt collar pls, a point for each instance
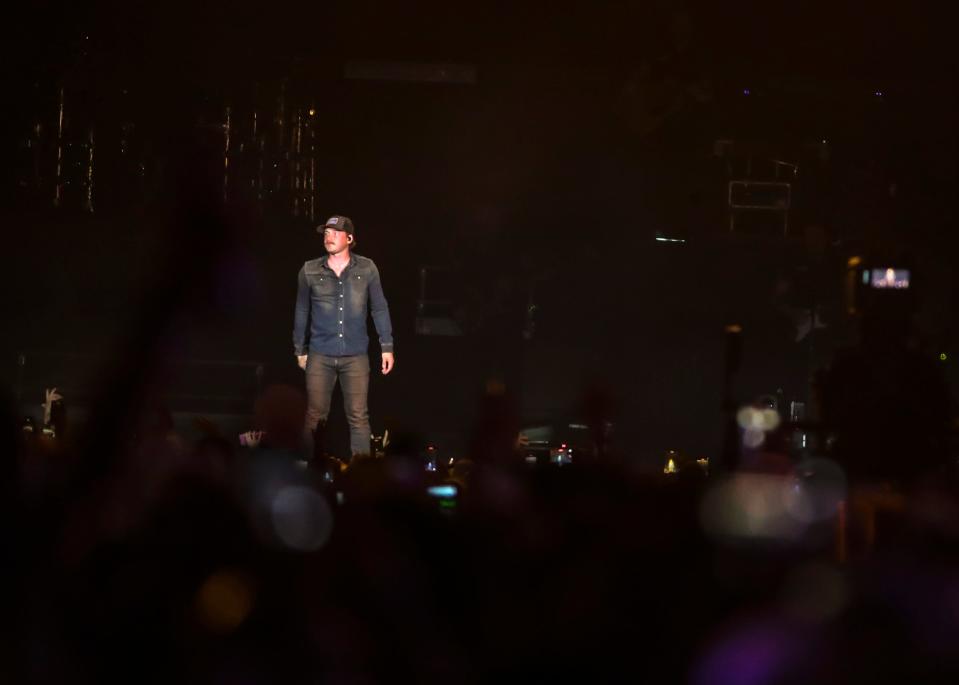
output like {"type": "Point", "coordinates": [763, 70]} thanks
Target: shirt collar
{"type": "Point", "coordinates": [325, 261]}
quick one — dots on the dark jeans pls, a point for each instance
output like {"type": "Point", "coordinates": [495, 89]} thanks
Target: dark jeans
{"type": "Point", "coordinates": [322, 372]}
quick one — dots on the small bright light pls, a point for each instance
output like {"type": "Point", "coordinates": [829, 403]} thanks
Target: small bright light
{"type": "Point", "coordinates": [746, 91]}
{"type": "Point", "coordinates": [943, 357]}
{"type": "Point", "coordinates": [853, 261]}
{"type": "Point", "coordinates": [671, 467]}
{"type": "Point", "coordinates": [312, 112]}
{"type": "Point", "coordinates": [770, 419]}
{"type": "Point", "coordinates": [747, 417]}
{"type": "Point", "coordinates": [757, 419]}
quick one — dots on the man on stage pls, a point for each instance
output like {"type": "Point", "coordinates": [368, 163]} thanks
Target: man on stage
{"type": "Point", "coordinates": [330, 342]}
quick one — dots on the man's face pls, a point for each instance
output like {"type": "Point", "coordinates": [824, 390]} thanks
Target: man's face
{"type": "Point", "coordinates": [335, 241]}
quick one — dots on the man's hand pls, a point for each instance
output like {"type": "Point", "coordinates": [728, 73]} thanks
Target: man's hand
{"type": "Point", "coordinates": [51, 395]}
{"type": "Point", "coordinates": [301, 360]}
{"type": "Point", "coordinates": [251, 438]}
{"type": "Point", "coordinates": [388, 362]}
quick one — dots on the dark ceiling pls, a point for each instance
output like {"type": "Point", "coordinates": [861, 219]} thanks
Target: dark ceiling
{"type": "Point", "coordinates": [826, 39]}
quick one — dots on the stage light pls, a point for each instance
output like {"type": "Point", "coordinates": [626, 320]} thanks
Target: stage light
{"type": "Point", "coordinates": [755, 424]}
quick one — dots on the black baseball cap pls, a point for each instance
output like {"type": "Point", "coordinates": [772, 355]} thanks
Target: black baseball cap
{"type": "Point", "coordinates": [340, 223]}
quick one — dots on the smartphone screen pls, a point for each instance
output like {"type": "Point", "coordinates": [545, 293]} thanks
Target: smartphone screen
{"type": "Point", "coordinates": [889, 278]}
{"type": "Point", "coordinates": [447, 491]}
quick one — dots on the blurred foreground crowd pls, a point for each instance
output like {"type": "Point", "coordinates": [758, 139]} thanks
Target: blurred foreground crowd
{"type": "Point", "coordinates": [130, 553]}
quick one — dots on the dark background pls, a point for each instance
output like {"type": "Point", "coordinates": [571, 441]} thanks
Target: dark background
{"type": "Point", "coordinates": [584, 134]}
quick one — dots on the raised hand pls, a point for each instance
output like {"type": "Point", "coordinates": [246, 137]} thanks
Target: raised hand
{"type": "Point", "coordinates": [51, 395]}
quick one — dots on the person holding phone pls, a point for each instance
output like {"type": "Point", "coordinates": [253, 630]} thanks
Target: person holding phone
{"type": "Point", "coordinates": [335, 294]}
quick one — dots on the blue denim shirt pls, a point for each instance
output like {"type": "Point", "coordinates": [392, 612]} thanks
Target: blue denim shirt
{"type": "Point", "coordinates": [330, 314]}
